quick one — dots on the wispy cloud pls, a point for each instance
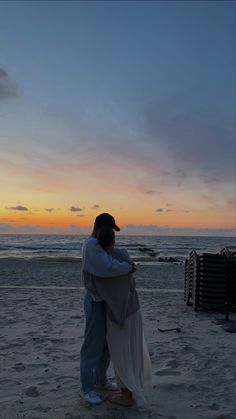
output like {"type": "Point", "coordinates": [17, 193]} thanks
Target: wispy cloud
{"type": "Point", "coordinates": [18, 208]}
{"type": "Point", "coordinates": [198, 136]}
{"type": "Point", "coordinates": [95, 206]}
{"type": "Point", "coordinates": [212, 180]}
{"type": "Point", "coordinates": [6, 227]}
{"type": "Point", "coordinates": [181, 172]}
{"type": "Point", "coordinates": [38, 229]}
{"type": "Point", "coordinates": [164, 210]}
{"type": "Point", "coordinates": [137, 229]}
{"type": "Point", "coordinates": [8, 88]}
{"type": "Point", "coordinates": [75, 209]}
{"type": "Point", "coordinates": [232, 204]}
{"type": "Point", "coordinates": [150, 192]}
{"type": "Point", "coordinates": [39, 173]}
{"type": "Point", "coordinates": [74, 226]}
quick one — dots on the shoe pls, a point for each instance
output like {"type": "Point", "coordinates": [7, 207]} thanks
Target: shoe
{"type": "Point", "coordinates": [121, 400]}
{"type": "Point", "coordinates": [108, 386]}
{"type": "Point", "coordinates": [92, 398]}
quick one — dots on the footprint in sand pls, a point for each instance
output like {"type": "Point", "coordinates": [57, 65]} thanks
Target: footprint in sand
{"type": "Point", "coordinates": [167, 371]}
{"type": "Point", "coordinates": [210, 363]}
{"type": "Point", "coordinates": [172, 387]}
{"type": "Point", "coordinates": [19, 367]}
{"type": "Point", "coordinates": [173, 363]}
{"type": "Point", "coordinates": [167, 417]}
{"type": "Point", "coordinates": [224, 416]}
{"type": "Point", "coordinates": [214, 406]}
{"type": "Point", "coordinates": [31, 391]}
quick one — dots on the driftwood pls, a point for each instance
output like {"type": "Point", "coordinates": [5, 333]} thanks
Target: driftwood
{"type": "Point", "coordinates": [170, 330]}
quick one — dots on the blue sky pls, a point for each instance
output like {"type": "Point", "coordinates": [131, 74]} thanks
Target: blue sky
{"type": "Point", "coordinates": [148, 86]}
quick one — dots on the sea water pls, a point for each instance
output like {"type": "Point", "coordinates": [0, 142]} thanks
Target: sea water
{"type": "Point", "coordinates": [143, 249]}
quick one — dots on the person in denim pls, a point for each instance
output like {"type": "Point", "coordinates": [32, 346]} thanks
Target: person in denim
{"type": "Point", "coordinates": [94, 355]}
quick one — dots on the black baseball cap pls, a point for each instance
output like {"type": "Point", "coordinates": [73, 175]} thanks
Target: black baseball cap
{"type": "Point", "coordinates": [106, 220]}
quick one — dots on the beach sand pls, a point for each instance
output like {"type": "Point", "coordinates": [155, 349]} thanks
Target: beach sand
{"type": "Point", "coordinates": [41, 332]}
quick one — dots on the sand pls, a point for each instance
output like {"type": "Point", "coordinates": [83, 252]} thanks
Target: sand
{"type": "Point", "coordinates": [41, 332]}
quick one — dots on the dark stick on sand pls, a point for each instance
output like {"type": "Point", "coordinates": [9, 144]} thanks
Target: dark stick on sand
{"type": "Point", "coordinates": [170, 330]}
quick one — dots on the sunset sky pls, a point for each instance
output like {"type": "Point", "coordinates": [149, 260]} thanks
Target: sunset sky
{"type": "Point", "coordinates": [120, 107]}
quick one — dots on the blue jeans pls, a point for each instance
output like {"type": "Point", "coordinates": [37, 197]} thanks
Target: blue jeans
{"type": "Point", "coordinates": [94, 354]}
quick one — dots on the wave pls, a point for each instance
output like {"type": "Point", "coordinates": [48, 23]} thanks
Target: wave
{"type": "Point", "coordinates": [58, 259]}
{"type": "Point", "coordinates": [130, 245]}
{"type": "Point", "coordinates": [146, 249]}
{"type": "Point", "coordinates": [41, 246]}
{"type": "Point", "coordinates": [69, 259]}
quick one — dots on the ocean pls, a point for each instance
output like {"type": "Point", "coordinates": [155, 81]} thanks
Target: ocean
{"type": "Point", "coordinates": [142, 249]}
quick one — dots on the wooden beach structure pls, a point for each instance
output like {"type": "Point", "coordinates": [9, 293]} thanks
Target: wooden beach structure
{"type": "Point", "coordinates": [210, 281]}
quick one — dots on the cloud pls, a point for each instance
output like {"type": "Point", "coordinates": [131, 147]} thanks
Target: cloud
{"type": "Point", "coordinates": [150, 192]}
{"type": "Point", "coordinates": [196, 132]}
{"type": "Point", "coordinates": [95, 206]}
{"type": "Point", "coordinates": [209, 200]}
{"type": "Point", "coordinates": [3, 73]}
{"type": "Point", "coordinates": [166, 210]}
{"type": "Point", "coordinates": [39, 171]}
{"type": "Point", "coordinates": [132, 229]}
{"type": "Point", "coordinates": [80, 215]}
{"type": "Point", "coordinates": [8, 88]}
{"type": "Point", "coordinates": [18, 208]}
{"type": "Point", "coordinates": [75, 209]}
{"type": "Point", "coordinates": [4, 226]}
{"type": "Point", "coordinates": [49, 209]}
{"type": "Point", "coordinates": [232, 203]}
{"type": "Point", "coordinates": [212, 180]}
{"type": "Point", "coordinates": [181, 172]}
{"type": "Point", "coordinates": [141, 229]}
{"type": "Point", "coordinates": [74, 226]}
{"type": "Point", "coordinates": [13, 228]}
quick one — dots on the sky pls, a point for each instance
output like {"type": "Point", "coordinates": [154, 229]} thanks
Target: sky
{"type": "Point", "coordinates": [126, 107]}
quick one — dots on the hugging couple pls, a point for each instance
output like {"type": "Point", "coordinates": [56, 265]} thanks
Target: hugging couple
{"type": "Point", "coordinates": [113, 328]}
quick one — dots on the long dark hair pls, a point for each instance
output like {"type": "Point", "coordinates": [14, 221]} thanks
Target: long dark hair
{"type": "Point", "coordinates": [106, 237]}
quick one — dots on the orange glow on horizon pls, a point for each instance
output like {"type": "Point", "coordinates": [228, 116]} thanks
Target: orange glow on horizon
{"type": "Point", "coordinates": [63, 219]}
